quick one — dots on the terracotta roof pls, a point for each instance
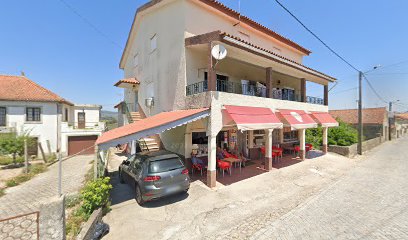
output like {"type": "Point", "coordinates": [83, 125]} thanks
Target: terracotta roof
{"type": "Point", "coordinates": [127, 80]}
{"type": "Point", "coordinates": [20, 88]}
{"type": "Point", "coordinates": [230, 12]}
{"type": "Point", "coordinates": [370, 115]}
{"type": "Point", "coordinates": [152, 122]}
{"type": "Point", "coordinates": [403, 116]}
{"type": "Point", "coordinates": [117, 105]}
{"type": "Point", "coordinates": [277, 55]}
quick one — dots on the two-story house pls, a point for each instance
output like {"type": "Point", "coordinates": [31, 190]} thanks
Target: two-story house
{"type": "Point", "coordinates": [54, 122]}
{"type": "Point", "coordinates": [201, 74]}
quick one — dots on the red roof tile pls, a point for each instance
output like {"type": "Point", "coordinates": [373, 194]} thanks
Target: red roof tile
{"type": "Point", "coordinates": [403, 116]}
{"type": "Point", "coordinates": [127, 80]}
{"type": "Point", "coordinates": [147, 123]}
{"type": "Point", "coordinates": [370, 115]}
{"type": "Point", "coordinates": [279, 56]}
{"type": "Point", "coordinates": [20, 88]}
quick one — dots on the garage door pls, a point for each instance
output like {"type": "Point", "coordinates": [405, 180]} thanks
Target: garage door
{"type": "Point", "coordinates": [78, 143]}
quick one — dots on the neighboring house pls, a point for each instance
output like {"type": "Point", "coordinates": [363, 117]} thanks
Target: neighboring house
{"type": "Point", "coordinates": [375, 121]}
{"type": "Point", "coordinates": [52, 120]}
{"type": "Point", "coordinates": [401, 120]}
{"type": "Point", "coordinates": [254, 96]}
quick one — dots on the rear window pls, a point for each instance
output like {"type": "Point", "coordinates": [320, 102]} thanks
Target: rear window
{"type": "Point", "coordinates": [165, 165]}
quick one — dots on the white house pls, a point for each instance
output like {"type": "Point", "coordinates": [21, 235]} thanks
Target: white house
{"type": "Point", "coordinates": [53, 121]}
{"type": "Point", "coordinates": [198, 72]}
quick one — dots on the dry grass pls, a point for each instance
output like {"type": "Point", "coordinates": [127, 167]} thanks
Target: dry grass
{"type": "Point", "coordinates": [33, 170]}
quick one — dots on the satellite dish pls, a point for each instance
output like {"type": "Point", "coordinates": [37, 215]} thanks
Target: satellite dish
{"type": "Point", "coordinates": [219, 52]}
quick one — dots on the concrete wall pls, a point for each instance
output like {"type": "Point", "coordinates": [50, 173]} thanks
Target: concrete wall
{"type": "Point", "coordinates": [351, 151]}
{"type": "Point", "coordinates": [52, 219]}
{"type": "Point", "coordinates": [89, 227]}
{"type": "Point", "coordinates": [161, 72]}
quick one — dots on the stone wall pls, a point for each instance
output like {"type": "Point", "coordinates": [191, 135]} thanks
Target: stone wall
{"type": "Point", "coordinates": [88, 228]}
{"type": "Point", "coordinates": [351, 151]}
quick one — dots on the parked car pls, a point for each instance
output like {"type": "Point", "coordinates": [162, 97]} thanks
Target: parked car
{"type": "Point", "coordinates": [154, 175]}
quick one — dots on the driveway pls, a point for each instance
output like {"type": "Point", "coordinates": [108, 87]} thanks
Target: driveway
{"type": "Point", "coordinates": [370, 202]}
{"type": "Point", "coordinates": [28, 196]}
{"type": "Point", "coordinates": [235, 211]}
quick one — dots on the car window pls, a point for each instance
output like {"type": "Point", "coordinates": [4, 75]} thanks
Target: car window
{"type": "Point", "coordinates": [165, 165]}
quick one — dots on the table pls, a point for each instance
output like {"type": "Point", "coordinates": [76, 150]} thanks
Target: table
{"type": "Point", "coordinates": [234, 161]}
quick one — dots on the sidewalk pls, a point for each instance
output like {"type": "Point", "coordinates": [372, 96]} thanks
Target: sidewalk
{"type": "Point", "coordinates": [28, 196]}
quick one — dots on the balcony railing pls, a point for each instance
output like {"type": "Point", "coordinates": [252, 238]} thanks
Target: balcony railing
{"type": "Point", "coordinates": [249, 89]}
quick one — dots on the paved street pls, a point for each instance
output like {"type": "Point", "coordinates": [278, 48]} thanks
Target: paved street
{"type": "Point", "coordinates": [236, 211]}
{"type": "Point", "coordinates": [371, 202]}
{"type": "Point", "coordinates": [28, 196]}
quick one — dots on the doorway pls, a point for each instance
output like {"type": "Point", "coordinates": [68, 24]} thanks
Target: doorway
{"type": "Point", "coordinates": [81, 120]}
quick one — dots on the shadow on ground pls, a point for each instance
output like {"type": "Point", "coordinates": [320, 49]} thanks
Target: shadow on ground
{"type": "Point", "coordinates": [124, 192]}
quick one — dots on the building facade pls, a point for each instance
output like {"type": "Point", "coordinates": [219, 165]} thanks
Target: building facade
{"type": "Point", "coordinates": [169, 66]}
{"type": "Point", "coordinates": [55, 123]}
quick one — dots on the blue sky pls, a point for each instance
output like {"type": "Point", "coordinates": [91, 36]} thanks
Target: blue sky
{"type": "Point", "coordinates": [57, 49]}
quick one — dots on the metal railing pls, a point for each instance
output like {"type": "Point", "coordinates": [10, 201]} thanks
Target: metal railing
{"type": "Point", "coordinates": [248, 89]}
{"type": "Point", "coordinates": [27, 225]}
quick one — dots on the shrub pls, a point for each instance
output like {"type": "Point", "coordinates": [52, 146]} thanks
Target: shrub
{"type": "Point", "coordinates": [6, 160]}
{"type": "Point", "coordinates": [95, 194]}
{"type": "Point", "coordinates": [343, 135]}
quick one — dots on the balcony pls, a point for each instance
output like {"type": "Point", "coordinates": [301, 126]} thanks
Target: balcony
{"type": "Point", "coordinates": [257, 90]}
{"type": "Point", "coordinates": [77, 127]}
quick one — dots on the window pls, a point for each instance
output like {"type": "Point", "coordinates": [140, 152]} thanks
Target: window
{"type": "Point", "coordinates": [136, 60]}
{"type": "Point", "coordinates": [153, 43]}
{"type": "Point", "coordinates": [33, 114]}
{"type": "Point", "coordinates": [222, 83]}
{"type": "Point", "coordinates": [165, 165]}
{"type": "Point", "coordinates": [2, 116]}
{"type": "Point", "coordinates": [66, 115]}
{"type": "Point", "coordinates": [290, 136]}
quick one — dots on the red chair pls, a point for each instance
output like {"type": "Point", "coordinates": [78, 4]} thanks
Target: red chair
{"type": "Point", "coordinates": [228, 155]}
{"type": "Point", "coordinates": [224, 166]}
{"type": "Point", "coordinates": [309, 147]}
{"type": "Point", "coordinates": [197, 167]}
{"type": "Point", "coordinates": [296, 150]}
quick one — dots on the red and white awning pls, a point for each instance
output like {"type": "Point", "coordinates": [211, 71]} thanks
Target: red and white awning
{"type": "Point", "coordinates": [324, 119]}
{"type": "Point", "coordinates": [296, 119]}
{"type": "Point", "coordinates": [250, 118]}
{"type": "Point", "coordinates": [149, 126]}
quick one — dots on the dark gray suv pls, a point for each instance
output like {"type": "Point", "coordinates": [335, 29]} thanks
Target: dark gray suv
{"type": "Point", "coordinates": [154, 175]}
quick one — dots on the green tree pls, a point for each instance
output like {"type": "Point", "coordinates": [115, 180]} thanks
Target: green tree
{"type": "Point", "coordinates": [13, 144]}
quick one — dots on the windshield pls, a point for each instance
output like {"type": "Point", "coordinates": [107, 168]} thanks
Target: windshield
{"type": "Point", "coordinates": [165, 165]}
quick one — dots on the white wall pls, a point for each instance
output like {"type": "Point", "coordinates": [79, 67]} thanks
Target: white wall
{"type": "Point", "coordinates": [92, 115]}
{"type": "Point", "coordinates": [203, 19]}
{"type": "Point", "coordinates": [46, 129]}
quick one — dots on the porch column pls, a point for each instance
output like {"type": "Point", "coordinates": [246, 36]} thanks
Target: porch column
{"type": "Point", "coordinates": [281, 135]}
{"type": "Point", "coordinates": [188, 145]}
{"type": "Point", "coordinates": [211, 76]}
{"type": "Point", "coordinates": [269, 82]}
{"type": "Point", "coordinates": [302, 139]}
{"type": "Point", "coordinates": [325, 133]}
{"type": "Point", "coordinates": [326, 95]}
{"type": "Point", "coordinates": [268, 149]}
{"type": "Point", "coordinates": [303, 90]}
{"type": "Point", "coordinates": [133, 147]}
{"type": "Point", "coordinates": [250, 139]}
{"type": "Point", "coordinates": [212, 161]}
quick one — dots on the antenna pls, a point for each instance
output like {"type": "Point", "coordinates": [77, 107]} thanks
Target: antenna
{"type": "Point", "coordinates": [239, 13]}
{"type": "Point", "coordinates": [218, 52]}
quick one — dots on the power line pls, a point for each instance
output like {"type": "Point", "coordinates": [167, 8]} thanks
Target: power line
{"type": "Point", "coordinates": [346, 90]}
{"type": "Point", "coordinates": [372, 88]}
{"type": "Point", "coordinates": [318, 38]}
{"type": "Point", "coordinates": [90, 24]}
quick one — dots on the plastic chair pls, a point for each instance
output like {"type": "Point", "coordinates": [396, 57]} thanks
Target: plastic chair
{"type": "Point", "coordinates": [224, 166]}
{"type": "Point", "coordinates": [197, 167]}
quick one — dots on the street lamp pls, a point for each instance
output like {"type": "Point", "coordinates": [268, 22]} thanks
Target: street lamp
{"type": "Point", "coordinates": [360, 108]}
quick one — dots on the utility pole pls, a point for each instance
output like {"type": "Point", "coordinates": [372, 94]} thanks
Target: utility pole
{"type": "Point", "coordinates": [360, 114]}
{"type": "Point", "coordinates": [390, 121]}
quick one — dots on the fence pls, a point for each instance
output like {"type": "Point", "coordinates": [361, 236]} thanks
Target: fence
{"type": "Point", "coordinates": [25, 226]}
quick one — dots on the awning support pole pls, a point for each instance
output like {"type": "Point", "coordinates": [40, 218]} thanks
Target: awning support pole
{"type": "Point", "coordinates": [302, 139]}
{"type": "Point", "coordinates": [268, 150]}
{"type": "Point", "coordinates": [325, 136]}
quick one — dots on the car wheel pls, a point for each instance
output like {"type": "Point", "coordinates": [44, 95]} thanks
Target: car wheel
{"type": "Point", "coordinates": [138, 196]}
{"type": "Point", "coordinates": [121, 180]}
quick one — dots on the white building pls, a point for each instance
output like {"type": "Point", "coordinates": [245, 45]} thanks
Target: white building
{"type": "Point", "coordinates": [169, 66]}
{"type": "Point", "coordinates": [53, 121]}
